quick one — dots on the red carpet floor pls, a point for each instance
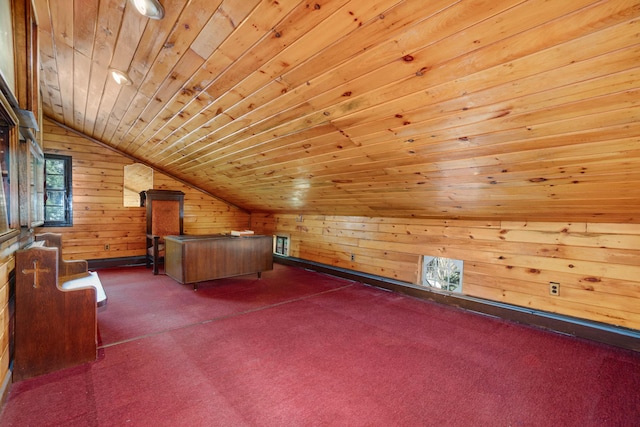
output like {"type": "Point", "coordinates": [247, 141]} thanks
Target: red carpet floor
{"type": "Point", "coordinates": [298, 348]}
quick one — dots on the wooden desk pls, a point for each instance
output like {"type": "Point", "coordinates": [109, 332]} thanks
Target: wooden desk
{"type": "Point", "coordinates": [193, 259]}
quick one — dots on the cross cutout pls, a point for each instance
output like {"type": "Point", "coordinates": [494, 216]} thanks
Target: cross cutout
{"type": "Point", "coordinates": [35, 272]}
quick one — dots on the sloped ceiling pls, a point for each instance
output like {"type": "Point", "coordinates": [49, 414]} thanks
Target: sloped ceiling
{"type": "Point", "coordinates": [497, 109]}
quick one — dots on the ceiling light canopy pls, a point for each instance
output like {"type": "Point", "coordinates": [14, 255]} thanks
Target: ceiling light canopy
{"type": "Point", "coordinates": [150, 8]}
{"type": "Point", "coordinates": [120, 77]}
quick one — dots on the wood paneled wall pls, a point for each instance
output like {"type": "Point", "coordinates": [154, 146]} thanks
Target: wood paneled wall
{"type": "Point", "coordinates": [7, 265]}
{"type": "Point", "coordinates": [596, 264]}
{"type": "Point", "coordinates": [99, 217]}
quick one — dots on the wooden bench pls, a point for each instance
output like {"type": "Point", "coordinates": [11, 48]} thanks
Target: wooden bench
{"type": "Point", "coordinates": [56, 316]}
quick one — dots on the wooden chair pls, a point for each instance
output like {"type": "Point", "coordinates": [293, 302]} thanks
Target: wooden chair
{"type": "Point", "coordinates": [164, 218]}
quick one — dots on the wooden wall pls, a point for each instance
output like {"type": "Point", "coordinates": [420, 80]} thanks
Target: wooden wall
{"type": "Point", "coordinates": [596, 264]}
{"type": "Point", "coordinates": [99, 217]}
{"type": "Point", "coordinates": [7, 265]}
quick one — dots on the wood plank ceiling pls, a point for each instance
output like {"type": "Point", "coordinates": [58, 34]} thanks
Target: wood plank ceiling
{"type": "Point", "coordinates": [496, 109]}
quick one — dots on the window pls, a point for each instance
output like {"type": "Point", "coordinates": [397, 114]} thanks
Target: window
{"type": "Point", "coordinates": [5, 189]}
{"type": "Point", "coordinates": [31, 184]}
{"type": "Point", "coordinates": [58, 199]}
{"type": "Point", "coordinates": [281, 245]}
{"type": "Point", "coordinates": [442, 273]}
{"type": "Point", "coordinates": [36, 190]}
{"type": "Point", "coordinates": [9, 208]}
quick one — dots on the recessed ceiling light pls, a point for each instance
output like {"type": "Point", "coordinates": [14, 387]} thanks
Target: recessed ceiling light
{"type": "Point", "coordinates": [120, 77]}
{"type": "Point", "coordinates": [150, 8]}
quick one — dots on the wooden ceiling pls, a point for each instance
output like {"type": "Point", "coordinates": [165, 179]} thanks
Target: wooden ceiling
{"type": "Point", "coordinates": [495, 109]}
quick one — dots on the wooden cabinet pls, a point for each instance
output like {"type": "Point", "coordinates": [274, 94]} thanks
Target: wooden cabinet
{"type": "Point", "coordinates": [193, 259]}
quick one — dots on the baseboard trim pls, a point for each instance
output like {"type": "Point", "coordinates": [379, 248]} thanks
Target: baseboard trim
{"type": "Point", "coordinates": [580, 328]}
{"type": "Point", "coordinates": [96, 264]}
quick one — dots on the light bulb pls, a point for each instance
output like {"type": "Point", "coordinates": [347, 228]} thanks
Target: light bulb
{"type": "Point", "coordinates": [120, 77]}
{"type": "Point", "coordinates": [150, 8]}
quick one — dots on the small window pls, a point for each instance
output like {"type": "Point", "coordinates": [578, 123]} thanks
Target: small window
{"type": "Point", "coordinates": [58, 199]}
{"type": "Point", "coordinates": [281, 245]}
{"type": "Point", "coordinates": [442, 273]}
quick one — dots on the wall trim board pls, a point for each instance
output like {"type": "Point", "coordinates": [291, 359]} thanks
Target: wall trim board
{"type": "Point", "coordinates": [567, 325]}
{"type": "Point", "coordinates": [96, 264]}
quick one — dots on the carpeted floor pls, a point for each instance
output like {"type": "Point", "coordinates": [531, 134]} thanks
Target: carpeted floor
{"type": "Point", "coordinates": [297, 348]}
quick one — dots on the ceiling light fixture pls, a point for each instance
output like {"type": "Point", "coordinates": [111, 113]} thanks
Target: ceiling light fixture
{"type": "Point", "coordinates": [120, 77]}
{"type": "Point", "coordinates": [150, 8]}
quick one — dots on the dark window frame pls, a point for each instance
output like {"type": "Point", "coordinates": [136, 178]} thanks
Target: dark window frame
{"type": "Point", "coordinates": [68, 192]}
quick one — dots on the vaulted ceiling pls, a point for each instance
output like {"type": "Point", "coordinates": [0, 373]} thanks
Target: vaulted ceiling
{"type": "Point", "coordinates": [502, 109]}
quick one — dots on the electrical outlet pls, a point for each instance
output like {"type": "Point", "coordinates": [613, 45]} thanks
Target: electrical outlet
{"type": "Point", "coordinates": [107, 247]}
{"type": "Point", "coordinates": [554, 288]}
{"type": "Point", "coordinates": [353, 257]}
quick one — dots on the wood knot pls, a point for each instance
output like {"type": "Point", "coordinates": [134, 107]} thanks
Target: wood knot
{"type": "Point", "coordinates": [421, 71]}
{"type": "Point", "coordinates": [407, 58]}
